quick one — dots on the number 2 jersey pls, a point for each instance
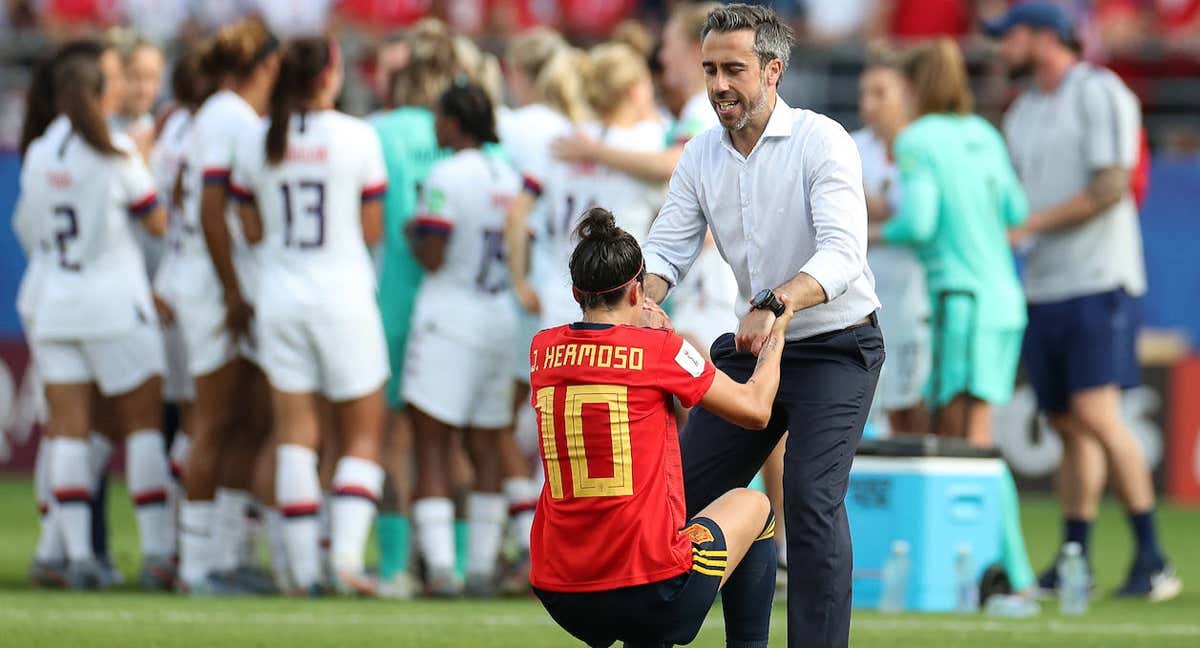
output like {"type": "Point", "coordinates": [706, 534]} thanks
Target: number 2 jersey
{"type": "Point", "coordinates": [312, 260]}
{"type": "Point", "coordinates": [612, 508]}
{"type": "Point", "coordinates": [75, 208]}
{"type": "Point", "coordinates": [467, 298]}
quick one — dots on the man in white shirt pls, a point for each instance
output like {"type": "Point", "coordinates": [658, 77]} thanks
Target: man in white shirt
{"type": "Point", "coordinates": [782, 191]}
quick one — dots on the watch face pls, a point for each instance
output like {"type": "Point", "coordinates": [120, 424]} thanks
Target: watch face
{"type": "Point", "coordinates": [761, 298]}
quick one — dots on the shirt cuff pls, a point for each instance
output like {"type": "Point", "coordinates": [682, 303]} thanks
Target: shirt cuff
{"type": "Point", "coordinates": [655, 264]}
{"type": "Point", "coordinates": [828, 269]}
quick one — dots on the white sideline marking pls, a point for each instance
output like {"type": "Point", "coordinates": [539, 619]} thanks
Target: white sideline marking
{"type": "Point", "coordinates": [1022, 626]}
{"type": "Point", "coordinates": [1031, 626]}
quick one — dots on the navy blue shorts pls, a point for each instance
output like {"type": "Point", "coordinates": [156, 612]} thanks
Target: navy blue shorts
{"type": "Point", "coordinates": [1079, 344]}
{"type": "Point", "coordinates": [667, 612]}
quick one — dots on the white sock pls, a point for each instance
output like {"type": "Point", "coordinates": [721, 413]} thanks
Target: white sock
{"type": "Point", "coordinates": [298, 493]}
{"type": "Point", "coordinates": [100, 451]}
{"type": "Point", "coordinates": [277, 547]}
{"type": "Point", "coordinates": [522, 495]}
{"type": "Point", "coordinates": [230, 506]}
{"type": "Point", "coordinates": [357, 484]}
{"type": "Point", "coordinates": [434, 518]}
{"type": "Point", "coordinates": [180, 446]}
{"type": "Point", "coordinates": [50, 545]}
{"type": "Point", "coordinates": [176, 459]}
{"type": "Point", "coordinates": [486, 514]}
{"type": "Point", "coordinates": [72, 486]}
{"type": "Point", "coordinates": [148, 476]}
{"type": "Point", "coordinates": [195, 541]}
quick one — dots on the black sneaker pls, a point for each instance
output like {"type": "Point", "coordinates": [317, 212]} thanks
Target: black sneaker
{"type": "Point", "coordinates": [1047, 582]}
{"type": "Point", "coordinates": [1154, 583]}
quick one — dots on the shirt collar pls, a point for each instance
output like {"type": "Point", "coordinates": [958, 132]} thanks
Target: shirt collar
{"type": "Point", "coordinates": [781, 121]}
{"type": "Point", "coordinates": [779, 124]}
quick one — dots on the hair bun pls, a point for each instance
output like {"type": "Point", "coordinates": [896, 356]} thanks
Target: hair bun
{"type": "Point", "coordinates": [598, 224]}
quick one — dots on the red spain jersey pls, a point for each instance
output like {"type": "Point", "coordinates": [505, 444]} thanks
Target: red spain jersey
{"type": "Point", "coordinates": [612, 508]}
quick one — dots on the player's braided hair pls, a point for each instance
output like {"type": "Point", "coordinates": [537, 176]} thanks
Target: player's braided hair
{"type": "Point", "coordinates": [469, 105]}
{"type": "Point", "coordinates": [606, 262]}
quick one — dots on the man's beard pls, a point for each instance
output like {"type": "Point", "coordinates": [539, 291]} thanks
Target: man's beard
{"type": "Point", "coordinates": [753, 110]}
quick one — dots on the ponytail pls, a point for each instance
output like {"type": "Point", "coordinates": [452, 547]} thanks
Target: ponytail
{"type": "Point", "coordinates": [78, 86]}
{"type": "Point", "coordinates": [559, 83]}
{"type": "Point", "coordinates": [606, 262]}
{"type": "Point", "coordinates": [300, 73]}
{"type": "Point", "coordinates": [41, 107]}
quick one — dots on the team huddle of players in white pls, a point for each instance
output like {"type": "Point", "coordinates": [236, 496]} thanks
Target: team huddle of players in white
{"type": "Point", "coordinates": [262, 319]}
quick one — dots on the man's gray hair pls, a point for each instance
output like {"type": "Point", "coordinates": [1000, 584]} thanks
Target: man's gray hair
{"type": "Point", "coordinates": [772, 37]}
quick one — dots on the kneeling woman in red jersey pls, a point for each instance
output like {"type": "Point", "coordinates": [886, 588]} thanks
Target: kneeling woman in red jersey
{"type": "Point", "coordinates": [613, 556]}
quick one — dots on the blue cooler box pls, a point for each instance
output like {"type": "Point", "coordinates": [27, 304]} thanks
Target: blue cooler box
{"type": "Point", "coordinates": [935, 504]}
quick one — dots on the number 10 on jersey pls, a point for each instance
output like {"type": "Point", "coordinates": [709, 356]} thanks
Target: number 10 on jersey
{"type": "Point", "coordinates": [616, 432]}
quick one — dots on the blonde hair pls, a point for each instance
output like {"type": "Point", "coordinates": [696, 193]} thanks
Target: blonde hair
{"type": "Point", "coordinates": [939, 78]}
{"type": "Point", "coordinates": [880, 55]}
{"type": "Point", "coordinates": [532, 49]}
{"type": "Point", "coordinates": [479, 67]}
{"type": "Point", "coordinates": [561, 86]}
{"type": "Point", "coordinates": [634, 34]}
{"type": "Point", "coordinates": [431, 66]}
{"type": "Point", "coordinates": [691, 18]}
{"type": "Point", "coordinates": [612, 69]}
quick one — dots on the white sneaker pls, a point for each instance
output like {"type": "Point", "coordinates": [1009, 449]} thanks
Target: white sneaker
{"type": "Point", "coordinates": [401, 587]}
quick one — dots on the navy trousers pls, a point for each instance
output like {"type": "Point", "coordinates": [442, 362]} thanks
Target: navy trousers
{"type": "Point", "coordinates": [826, 386]}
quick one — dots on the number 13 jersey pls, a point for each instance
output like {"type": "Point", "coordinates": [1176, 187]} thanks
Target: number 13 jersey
{"type": "Point", "coordinates": [312, 256]}
{"type": "Point", "coordinates": [612, 508]}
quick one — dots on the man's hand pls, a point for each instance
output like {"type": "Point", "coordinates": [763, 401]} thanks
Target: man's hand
{"type": "Point", "coordinates": [238, 314]}
{"type": "Point", "coordinates": [754, 329]}
{"type": "Point", "coordinates": [653, 316]}
{"type": "Point", "coordinates": [527, 297]}
{"type": "Point", "coordinates": [1018, 235]}
{"type": "Point", "coordinates": [576, 147]}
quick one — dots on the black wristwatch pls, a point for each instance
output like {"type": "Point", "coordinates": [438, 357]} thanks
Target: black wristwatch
{"type": "Point", "coordinates": [766, 300]}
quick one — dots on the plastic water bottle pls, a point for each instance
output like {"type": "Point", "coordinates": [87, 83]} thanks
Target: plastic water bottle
{"type": "Point", "coordinates": [895, 579]}
{"type": "Point", "coordinates": [966, 590]}
{"type": "Point", "coordinates": [1011, 606]}
{"type": "Point", "coordinates": [1073, 579]}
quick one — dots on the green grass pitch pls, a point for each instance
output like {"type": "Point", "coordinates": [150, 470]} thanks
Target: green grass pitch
{"type": "Point", "coordinates": [30, 618]}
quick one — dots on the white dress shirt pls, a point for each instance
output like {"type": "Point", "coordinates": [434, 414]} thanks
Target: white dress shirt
{"type": "Point", "coordinates": [795, 204]}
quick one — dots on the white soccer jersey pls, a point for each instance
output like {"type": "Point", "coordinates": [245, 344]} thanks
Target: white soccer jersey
{"type": "Point", "coordinates": [313, 259]}
{"type": "Point", "coordinates": [572, 189]}
{"type": "Point", "coordinates": [526, 135]}
{"type": "Point", "coordinates": [468, 298]}
{"type": "Point", "coordinates": [93, 284]}
{"type": "Point", "coordinates": [223, 121]}
{"type": "Point", "coordinates": [879, 172]}
{"type": "Point", "coordinates": [634, 202]}
{"type": "Point", "coordinates": [166, 163]}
